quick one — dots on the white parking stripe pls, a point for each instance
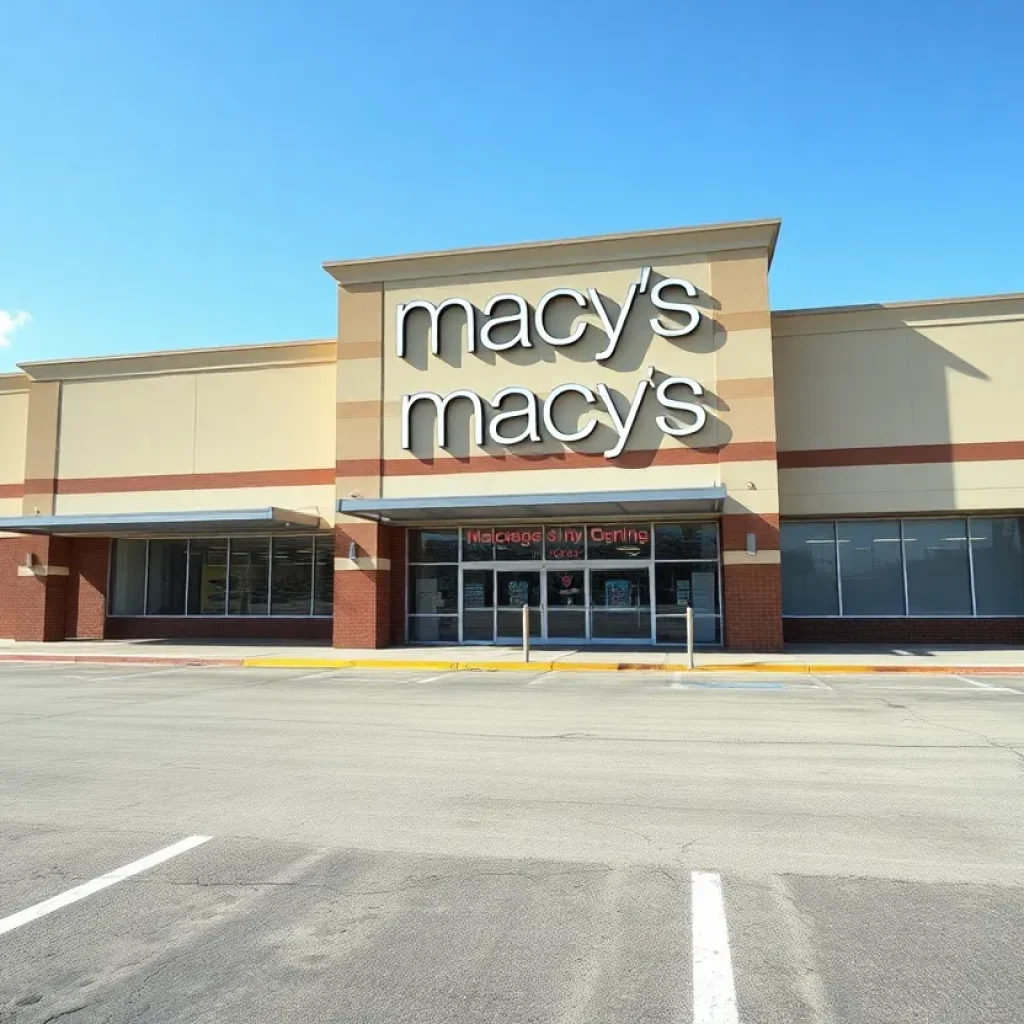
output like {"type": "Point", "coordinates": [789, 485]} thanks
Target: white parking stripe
{"type": "Point", "coordinates": [714, 994]}
{"type": "Point", "coordinates": [8, 924]}
{"type": "Point", "coordinates": [984, 686]}
{"type": "Point", "coordinates": [433, 679]}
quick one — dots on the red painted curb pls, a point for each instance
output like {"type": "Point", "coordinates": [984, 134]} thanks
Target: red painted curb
{"type": "Point", "coordinates": [113, 659]}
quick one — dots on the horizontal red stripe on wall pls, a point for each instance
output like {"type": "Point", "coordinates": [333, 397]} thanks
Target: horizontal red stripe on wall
{"type": "Point", "coordinates": [189, 481]}
{"type": "Point", "coordinates": [12, 490]}
{"type": "Point", "coordinates": [737, 451]}
{"type": "Point", "coordinates": [902, 455]}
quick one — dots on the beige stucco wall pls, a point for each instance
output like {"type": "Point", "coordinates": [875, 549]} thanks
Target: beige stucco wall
{"type": "Point", "coordinates": [13, 428]}
{"type": "Point", "coordinates": [896, 376]}
{"type": "Point", "coordinates": [935, 374]}
{"type": "Point", "coordinates": [221, 421]}
{"type": "Point", "coordinates": [883, 490]}
{"type": "Point", "coordinates": [317, 499]}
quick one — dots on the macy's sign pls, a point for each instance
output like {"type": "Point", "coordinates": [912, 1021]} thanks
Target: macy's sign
{"type": "Point", "coordinates": [511, 312]}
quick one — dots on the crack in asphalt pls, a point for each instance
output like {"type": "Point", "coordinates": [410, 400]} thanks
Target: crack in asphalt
{"type": "Point", "coordinates": [66, 1013]}
{"type": "Point", "coordinates": [912, 714]}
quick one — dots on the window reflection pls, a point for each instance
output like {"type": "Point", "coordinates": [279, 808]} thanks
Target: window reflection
{"type": "Point", "coordinates": [240, 576]}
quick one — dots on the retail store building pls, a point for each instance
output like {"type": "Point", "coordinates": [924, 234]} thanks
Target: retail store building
{"type": "Point", "coordinates": [605, 429]}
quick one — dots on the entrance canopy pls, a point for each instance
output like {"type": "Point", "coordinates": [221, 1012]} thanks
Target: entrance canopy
{"type": "Point", "coordinates": [187, 524]}
{"type": "Point", "coordinates": [495, 507]}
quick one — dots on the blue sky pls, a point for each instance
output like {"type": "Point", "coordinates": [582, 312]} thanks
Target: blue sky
{"type": "Point", "coordinates": [174, 173]}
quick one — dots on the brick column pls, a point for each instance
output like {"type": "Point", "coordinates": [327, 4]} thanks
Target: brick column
{"type": "Point", "coordinates": [362, 585]}
{"type": "Point", "coordinates": [752, 583]}
{"type": "Point", "coordinates": [34, 596]}
{"type": "Point", "coordinates": [86, 602]}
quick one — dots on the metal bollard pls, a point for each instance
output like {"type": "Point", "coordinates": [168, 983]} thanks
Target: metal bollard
{"type": "Point", "coordinates": [526, 632]}
{"type": "Point", "coordinates": [689, 636]}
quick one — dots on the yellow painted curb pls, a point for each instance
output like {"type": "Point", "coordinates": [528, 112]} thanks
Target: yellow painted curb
{"type": "Point", "coordinates": [621, 666]}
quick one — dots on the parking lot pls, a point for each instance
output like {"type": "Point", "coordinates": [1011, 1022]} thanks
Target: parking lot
{"type": "Point", "coordinates": [410, 846]}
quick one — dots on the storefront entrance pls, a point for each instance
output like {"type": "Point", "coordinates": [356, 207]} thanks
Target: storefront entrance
{"type": "Point", "coordinates": [587, 584]}
{"type": "Point", "coordinates": [565, 604]}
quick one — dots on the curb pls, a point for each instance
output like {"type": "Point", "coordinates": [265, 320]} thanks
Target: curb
{"type": "Point", "coordinates": [626, 666]}
{"type": "Point", "coordinates": [760, 668]}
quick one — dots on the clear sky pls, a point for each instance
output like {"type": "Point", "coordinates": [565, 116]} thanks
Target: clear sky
{"type": "Point", "coordinates": [173, 173]}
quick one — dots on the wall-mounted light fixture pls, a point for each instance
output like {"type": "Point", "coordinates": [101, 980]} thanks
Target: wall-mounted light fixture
{"type": "Point", "coordinates": [751, 543]}
{"type": "Point", "coordinates": [352, 550]}
{"type": "Point", "coordinates": [30, 560]}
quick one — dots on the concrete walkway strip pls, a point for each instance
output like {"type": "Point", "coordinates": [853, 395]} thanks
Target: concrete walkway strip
{"type": "Point", "coordinates": [79, 892]}
{"type": "Point", "coordinates": [714, 993]}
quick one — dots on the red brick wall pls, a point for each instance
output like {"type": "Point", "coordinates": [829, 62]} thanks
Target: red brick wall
{"type": "Point", "coordinates": [9, 561]}
{"type": "Point", "coordinates": [32, 608]}
{"type": "Point", "coordinates": [363, 606]}
{"type": "Point", "coordinates": [207, 628]}
{"type": "Point", "coordinates": [904, 631]}
{"type": "Point", "coordinates": [85, 606]}
{"type": "Point", "coordinates": [753, 606]}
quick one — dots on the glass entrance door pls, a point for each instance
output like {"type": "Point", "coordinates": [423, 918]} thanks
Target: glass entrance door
{"type": "Point", "coordinates": [566, 609]}
{"type": "Point", "coordinates": [513, 588]}
{"type": "Point", "coordinates": [478, 606]}
{"type": "Point", "coordinates": [620, 604]}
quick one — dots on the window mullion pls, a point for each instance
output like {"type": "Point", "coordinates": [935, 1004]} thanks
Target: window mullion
{"type": "Point", "coordinates": [839, 567]}
{"type": "Point", "coordinates": [970, 568]}
{"type": "Point", "coordinates": [903, 560]}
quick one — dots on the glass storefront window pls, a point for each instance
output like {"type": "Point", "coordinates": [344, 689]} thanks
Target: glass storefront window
{"type": "Point", "coordinates": [955, 567]}
{"type": "Point", "coordinates": [208, 577]}
{"type": "Point", "coordinates": [938, 570]}
{"type": "Point", "coordinates": [249, 583]}
{"type": "Point", "coordinates": [291, 575]}
{"type": "Point", "coordinates": [128, 577]}
{"type": "Point", "coordinates": [685, 541]}
{"type": "Point", "coordinates": [168, 567]}
{"type": "Point", "coordinates": [997, 549]}
{"type": "Point", "coordinates": [240, 576]}
{"type": "Point", "coordinates": [678, 584]}
{"type": "Point", "coordinates": [871, 567]}
{"type": "Point", "coordinates": [619, 541]}
{"type": "Point", "coordinates": [433, 545]}
{"type": "Point", "coordinates": [323, 576]}
{"type": "Point", "coordinates": [433, 589]}
{"type": "Point", "coordinates": [809, 581]}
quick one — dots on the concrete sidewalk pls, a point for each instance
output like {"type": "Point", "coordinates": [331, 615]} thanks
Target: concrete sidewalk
{"type": "Point", "coordinates": [803, 659]}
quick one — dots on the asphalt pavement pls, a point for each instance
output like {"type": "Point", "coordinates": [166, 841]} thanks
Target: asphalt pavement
{"type": "Point", "coordinates": [229, 845]}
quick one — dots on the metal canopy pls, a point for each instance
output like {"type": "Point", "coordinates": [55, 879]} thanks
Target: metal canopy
{"type": "Point", "coordinates": [188, 524]}
{"type": "Point", "coordinates": [491, 507]}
